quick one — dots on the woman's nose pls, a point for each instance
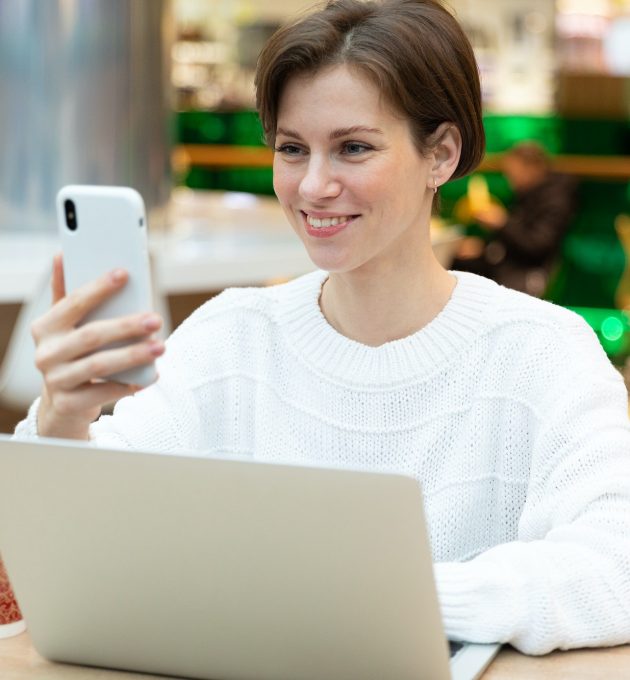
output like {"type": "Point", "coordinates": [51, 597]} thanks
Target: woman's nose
{"type": "Point", "coordinates": [319, 181]}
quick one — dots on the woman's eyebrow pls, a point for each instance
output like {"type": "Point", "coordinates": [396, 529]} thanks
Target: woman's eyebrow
{"type": "Point", "coordinates": [335, 134]}
{"type": "Point", "coordinates": [288, 133]}
{"type": "Point", "coordinates": [346, 132]}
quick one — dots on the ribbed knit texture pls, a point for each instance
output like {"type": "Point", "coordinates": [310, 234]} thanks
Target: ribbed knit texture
{"type": "Point", "coordinates": [504, 407]}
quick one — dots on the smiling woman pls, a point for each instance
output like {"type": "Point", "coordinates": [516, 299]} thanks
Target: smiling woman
{"type": "Point", "coordinates": [357, 179]}
{"type": "Point", "coordinates": [351, 181]}
{"type": "Point", "coordinates": [504, 407]}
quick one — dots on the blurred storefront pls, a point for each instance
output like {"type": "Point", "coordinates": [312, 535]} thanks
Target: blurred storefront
{"type": "Point", "coordinates": [556, 72]}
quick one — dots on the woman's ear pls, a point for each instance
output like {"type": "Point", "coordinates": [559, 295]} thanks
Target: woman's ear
{"type": "Point", "coordinates": [446, 148]}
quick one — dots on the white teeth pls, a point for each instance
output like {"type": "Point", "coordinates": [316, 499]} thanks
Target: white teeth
{"type": "Point", "coordinates": [326, 221]}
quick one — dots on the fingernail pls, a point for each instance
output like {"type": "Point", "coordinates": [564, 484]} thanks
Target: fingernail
{"type": "Point", "coordinates": [117, 275]}
{"type": "Point", "coordinates": [156, 348]}
{"type": "Point", "coordinates": [151, 323]}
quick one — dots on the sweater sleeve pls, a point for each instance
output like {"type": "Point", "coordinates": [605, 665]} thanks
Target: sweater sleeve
{"type": "Point", "coordinates": [162, 417]}
{"type": "Point", "coordinates": [565, 581]}
{"type": "Point", "coordinates": [165, 417]}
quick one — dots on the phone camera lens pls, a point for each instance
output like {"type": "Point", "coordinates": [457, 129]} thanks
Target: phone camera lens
{"type": "Point", "coordinates": [71, 214]}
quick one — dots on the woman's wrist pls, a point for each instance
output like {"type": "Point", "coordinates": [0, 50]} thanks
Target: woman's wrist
{"type": "Point", "coordinates": [51, 424]}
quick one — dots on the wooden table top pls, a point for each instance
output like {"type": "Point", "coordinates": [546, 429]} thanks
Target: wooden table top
{"type": "Point", "coordinates": [20, 661]}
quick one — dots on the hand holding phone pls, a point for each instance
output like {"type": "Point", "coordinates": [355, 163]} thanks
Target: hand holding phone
{"type": "Point", "coordinates": [103, 229]}
{"type": "Point", "coordinates": [95, 344]}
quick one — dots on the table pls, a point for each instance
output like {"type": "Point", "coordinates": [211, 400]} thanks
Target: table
{"type": "Point", "coordinates": [20, 661]}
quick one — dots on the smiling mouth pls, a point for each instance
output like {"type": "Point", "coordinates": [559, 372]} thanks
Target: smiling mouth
{"type": "Point", "coordinates": [327, 222]}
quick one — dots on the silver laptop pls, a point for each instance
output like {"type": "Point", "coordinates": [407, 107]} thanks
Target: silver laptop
{"type": "Point", "coordinates": [222, 568]}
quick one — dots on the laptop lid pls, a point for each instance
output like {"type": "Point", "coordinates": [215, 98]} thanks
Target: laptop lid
{"type": "Point", "coordinates": [219, 568]}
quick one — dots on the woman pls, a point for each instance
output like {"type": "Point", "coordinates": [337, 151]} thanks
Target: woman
{"type": "Point", "coordinates": [504, 407]}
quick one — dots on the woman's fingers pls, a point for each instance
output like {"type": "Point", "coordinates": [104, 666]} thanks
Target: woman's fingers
{"type": "Point", "coordinates": [71, 308]}
{"type": "Point", "coordinates": [76, 361]}
{"type": "Point", "coordinates": [58, 284]}
{"type": "Point", "coordinates": [64, 377]}
{"type": "Point", "coordinates": [79, 342]}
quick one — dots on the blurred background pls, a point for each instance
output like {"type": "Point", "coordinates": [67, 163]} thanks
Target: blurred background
{"type": "Point", "coordinates": [158, 95]}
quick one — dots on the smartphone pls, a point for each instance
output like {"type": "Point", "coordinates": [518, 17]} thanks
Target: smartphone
{"type": "Point", "coordinates": [104, 228]}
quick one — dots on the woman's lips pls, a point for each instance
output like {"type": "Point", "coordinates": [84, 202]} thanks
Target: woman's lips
{"type": "Point", "coordinates": [328, 230]}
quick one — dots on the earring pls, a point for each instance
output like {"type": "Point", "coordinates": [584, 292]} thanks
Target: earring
{"type": "Point", "coordinates": [435, 188]}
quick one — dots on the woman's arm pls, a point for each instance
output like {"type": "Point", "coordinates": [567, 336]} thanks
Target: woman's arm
{"type": "Point", "coordinates": [566, 581]}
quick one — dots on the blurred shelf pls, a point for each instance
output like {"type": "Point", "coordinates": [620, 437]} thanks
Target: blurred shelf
{"type": "Point", "coordinates": [221, 156]}
{"type": "Point", "coordinates": [592, 167]}
{"type": "Point", "coordinates": [232, 156]}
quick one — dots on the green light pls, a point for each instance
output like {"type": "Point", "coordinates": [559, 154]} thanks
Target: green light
{"type": "Point", "coordinates": [612, 328]}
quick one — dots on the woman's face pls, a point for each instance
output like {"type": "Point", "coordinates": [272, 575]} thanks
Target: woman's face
{"type": "Point", "coordinates": [348, 175]}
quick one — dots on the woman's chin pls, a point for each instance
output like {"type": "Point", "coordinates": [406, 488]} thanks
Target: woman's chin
{"type": "Point", "coordinates": [330, 264]}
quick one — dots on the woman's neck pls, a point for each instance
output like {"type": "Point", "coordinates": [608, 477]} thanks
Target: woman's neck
{"type": "Point", "coordinates": [377, 308]}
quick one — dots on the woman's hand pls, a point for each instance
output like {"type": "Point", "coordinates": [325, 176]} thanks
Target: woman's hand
{"type": "Point", "coordinates": [71, 358]}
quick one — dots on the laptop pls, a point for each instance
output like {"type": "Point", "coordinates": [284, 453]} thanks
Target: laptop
{"type": "Point", "coordinates": [222, 568]}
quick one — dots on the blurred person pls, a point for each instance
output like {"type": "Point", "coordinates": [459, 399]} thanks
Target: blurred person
{"type": "Point", "coordinates": [504, 407]}
{"type": "Point", "coordinates": [524, 241]}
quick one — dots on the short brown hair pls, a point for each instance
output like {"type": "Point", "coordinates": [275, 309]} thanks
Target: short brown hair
{"type": "Point", "coordinates": [414, 51]}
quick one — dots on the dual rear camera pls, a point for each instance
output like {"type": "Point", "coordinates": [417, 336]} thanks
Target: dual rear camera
{"type": "Point", "coordinates": [71, 214]}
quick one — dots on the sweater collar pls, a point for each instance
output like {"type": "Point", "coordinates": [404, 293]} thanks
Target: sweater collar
{"type": "Point", "coordinates": [427, 350]}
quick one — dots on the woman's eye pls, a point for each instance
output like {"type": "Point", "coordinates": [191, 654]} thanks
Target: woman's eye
{"type": "Point", "coordinates": [288, 149]}
{"type": "Point", "coordinates": [355, 148]}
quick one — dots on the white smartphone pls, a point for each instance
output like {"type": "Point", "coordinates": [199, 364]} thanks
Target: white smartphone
{"type": "Point", "coordinates": [103, 228]}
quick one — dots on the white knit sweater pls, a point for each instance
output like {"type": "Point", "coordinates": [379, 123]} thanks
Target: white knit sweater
{"type": "Point", "coordinates": [504, 407]}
